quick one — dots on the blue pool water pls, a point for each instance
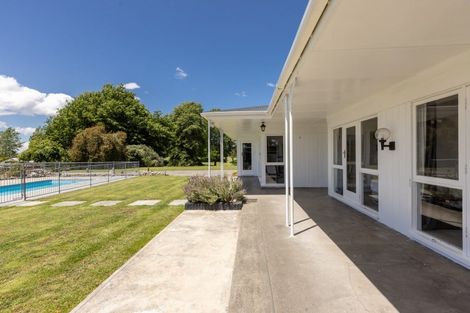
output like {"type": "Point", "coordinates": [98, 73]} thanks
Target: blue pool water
{"type": "Point", "coordinates": [37, 185]}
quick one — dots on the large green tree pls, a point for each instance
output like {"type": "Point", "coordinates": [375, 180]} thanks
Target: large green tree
{"type": "Point", "coordinates": [95, 145]}
{"type": "Point", "coordinates": [43, 149]}
{"type": "Point", "coordinates": [189, 134]}
{"type": "Point", "coordinates": [10, 143]}
{"type": "Point", "coordinates": [114, 107]}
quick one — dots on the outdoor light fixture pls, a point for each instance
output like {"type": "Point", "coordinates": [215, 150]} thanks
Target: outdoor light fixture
{"type": "Point", "coordinates": [382, 135]}
{"type": "Point", "coordinates": [263, 127]}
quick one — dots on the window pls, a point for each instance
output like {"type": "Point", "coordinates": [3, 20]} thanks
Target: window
{"type": "Point", "coordinates": [370, 191]}
{"type": "Point", "coordinates": [274, 174]}
{"type": "Point", "coordinates": [437, 133]}
{"type": "Point", "coordinates": [369, 146]}
{"type": "Point", "coordinates": [440, 213]}
{"type": "Point", "coordinates": [274, 169]}
{"type": "Point", "coordinates": [337, 146]}
{"type": "Point", "coordinates": [338, 180]}
{"type": "Point", "coordinates": [439, 189]}
{"type": "Point", "coordinates": [274, 149]}
{"type": "Point", "coordinates": [351, 159]}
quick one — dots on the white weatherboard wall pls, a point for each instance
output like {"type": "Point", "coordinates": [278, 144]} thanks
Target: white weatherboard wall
{"type": "Point", "coordinates": [393, 107]}
{"type": "Point", "coordinates": [310, 155]}
{"type": "Point", "coordinates": [310, 152]}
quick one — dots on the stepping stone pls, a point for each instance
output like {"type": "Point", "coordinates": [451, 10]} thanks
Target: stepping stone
{"type": "Point", "coordinates": [144, 202]}
{"type": "Point", "coordinates": [30, 203]}
{"type": "Point", "coordinates": [68, 203]}
{"type": "Point", "coordinates": [178, 202]}
{"type": "Point", "coordinates": [105, 203]}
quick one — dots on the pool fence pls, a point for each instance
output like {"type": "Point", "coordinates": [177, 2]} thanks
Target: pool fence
{"type": "Point", "coordinates": [22, 181]}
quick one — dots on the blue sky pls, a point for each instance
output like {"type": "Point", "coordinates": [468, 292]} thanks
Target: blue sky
{"type": "Point", "coordinates": [220, 53]}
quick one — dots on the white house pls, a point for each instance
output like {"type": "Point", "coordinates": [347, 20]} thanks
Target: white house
{"type": "Point", "coordinates": [355, 67]}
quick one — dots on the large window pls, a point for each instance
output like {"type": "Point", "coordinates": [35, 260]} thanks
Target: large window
{"type": "Point", "coordinates": [274, 149]}
{"type": "Point", "coordinates": [369, 164]}
{"type": "Point", "coordinates": [274, 170]}
{"type": "Point", "coordinates": [440, 213]}
{"type": "Point", "coordinates": [439, 190]}
{"type": "Point", "coordinates": [438, 138]}
{"type": "Point", "coordinates": [369, 147]}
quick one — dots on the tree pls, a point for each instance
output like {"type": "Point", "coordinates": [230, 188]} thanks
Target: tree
{"type": "Point", "coordinates": [43, 149]}
{"type": "Point", "coordinates": [229, 146]}
{"type": "Point", "coordinates": [188, 135]}
{"type": "Point", "coordinates": [10, 143]}
{"type": "Point", "coordinates": [94, 145]}
{"type": "Point", "coordinates": [116, 109]}
{"type": "Point", "coordinates": [143, 154]}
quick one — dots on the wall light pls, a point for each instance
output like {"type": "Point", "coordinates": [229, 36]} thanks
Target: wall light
{"type": "Point", "coordinates": [263, 127]}
{"type": "Point", "coordinates": [382, 135]}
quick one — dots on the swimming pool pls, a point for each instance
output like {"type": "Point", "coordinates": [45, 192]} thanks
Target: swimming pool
{"type": "Point", "coordinates": [38, 185]}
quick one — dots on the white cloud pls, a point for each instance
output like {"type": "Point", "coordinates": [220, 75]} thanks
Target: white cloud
{"type": "Point", "coordinates": [241, 94]}
{"type": "Point", "coordinates": [270, 85]}
{"type": "Point", "coordinates": [18, 99]}
{"type": "Point", "coordinates": [25, 131]}
{"type": "Point", "coordinates": [137, 98]}
{"type": "Point", "coordinates": [3, 125]}
{"type": "Point", "coordinates": [131, 86]}
{"type": "Point", "coordinates": [24, 147]}
{"type": "Point", "coordinates": [180, 73]}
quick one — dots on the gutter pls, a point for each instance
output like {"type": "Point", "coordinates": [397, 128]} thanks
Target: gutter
{"type": "Point", "coordinates": [308, 25]}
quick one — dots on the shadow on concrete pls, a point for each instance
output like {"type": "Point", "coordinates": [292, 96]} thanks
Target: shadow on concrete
{"type": "Point", "coordinates": [412, 277]}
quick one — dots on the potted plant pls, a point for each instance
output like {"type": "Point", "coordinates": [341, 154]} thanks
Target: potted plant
{"type": "Point", "coordinates": [214, 193]}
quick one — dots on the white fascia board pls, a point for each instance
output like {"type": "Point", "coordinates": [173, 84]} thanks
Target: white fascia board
{"type": "Point", "coordinates": [236, 114]}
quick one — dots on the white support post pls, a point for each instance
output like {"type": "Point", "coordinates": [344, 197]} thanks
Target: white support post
{"type": "Point", "coordinates": [286, 156]}
{"type": "Point", "coordinates": [221, 153]}
{"type": "Point", "coordinates": [209, 148]}
{"type": "Point", "coordinates": [291, 164]}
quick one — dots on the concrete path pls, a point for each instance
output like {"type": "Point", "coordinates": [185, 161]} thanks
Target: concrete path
{"type": "Point", "coordinates": [338, 261]}
{"type": "Point", "coordinates": [186, 268]}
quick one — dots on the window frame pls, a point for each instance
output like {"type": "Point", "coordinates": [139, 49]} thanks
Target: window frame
{"type": "Point", "coordinates": [368, 171]}
{"type": "Point", "coordinates": [460, 184]}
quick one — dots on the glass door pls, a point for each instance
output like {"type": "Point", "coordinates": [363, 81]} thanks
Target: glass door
{"type": "Point", "coordinates": [338, 186]}
{"type": "Point", "coordinates": [350, 161]}
{"type": "Point", "coordinates": [246, 159]}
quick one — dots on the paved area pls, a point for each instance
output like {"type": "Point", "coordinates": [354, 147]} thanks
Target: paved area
{"type": "Point", "coordinates": [30, 203]}
{"type": "Point", "coordinates": [68, 203]}
{"type": "Point", "coordinates": [178, 202]}
{"type": "Point", "coordinates": [144, 202]}
{"type": "Point", "coordinates": [339, 261]}
{"type": "Point", "coordinates": [186, 268]}
{"type": "Point", "coordinates": [106, 203]}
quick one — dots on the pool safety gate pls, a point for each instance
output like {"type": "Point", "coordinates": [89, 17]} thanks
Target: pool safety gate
{"type": "Point", "coordinates": [21, 181]}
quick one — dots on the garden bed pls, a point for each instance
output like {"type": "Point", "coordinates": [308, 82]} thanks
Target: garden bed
{"type": "Point", "coordinates": [214, 207]}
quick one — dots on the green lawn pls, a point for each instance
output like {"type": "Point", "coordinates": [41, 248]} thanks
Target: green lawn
{"type": "Point", "coordinates": [51, 258]}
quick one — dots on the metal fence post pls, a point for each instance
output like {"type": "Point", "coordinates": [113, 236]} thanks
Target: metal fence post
{"type": "Point", "coordinates": [58, 173]}
{"type": "Point", "coordinates": [89, 171]}
{"type": "Point", "coordinates": [23, 181]}
{"type": "Point", "coordinates": [125, 170]}
{"type": "Point", "coordinates": [108, 172]}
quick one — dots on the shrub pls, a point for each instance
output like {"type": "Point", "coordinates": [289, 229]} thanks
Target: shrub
{"type": "Point", "coordinates": [212, 190]}
{"type": "Point", "coordinates": [143, 154]}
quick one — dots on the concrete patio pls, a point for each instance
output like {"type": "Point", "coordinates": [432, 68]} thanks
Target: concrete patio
{"type": "Point", "coordinates": [339, 261]}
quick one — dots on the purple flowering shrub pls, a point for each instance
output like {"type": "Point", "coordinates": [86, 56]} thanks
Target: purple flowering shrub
{"type": "Point", "coordinates": [213, 190]}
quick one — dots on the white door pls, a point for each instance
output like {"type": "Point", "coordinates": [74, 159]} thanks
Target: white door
{"type": "Point", "coordinates": [246, 159]}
